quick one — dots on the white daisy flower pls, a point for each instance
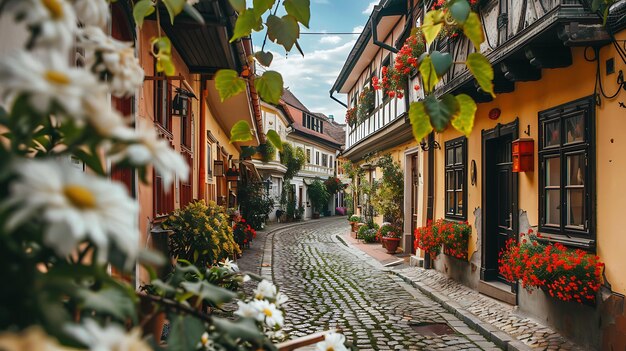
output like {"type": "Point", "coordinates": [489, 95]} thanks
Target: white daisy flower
{"type": "Point", "coordinates": [265, 289]}
{"type": "Point", "coordinates": [54, 21]}
{"type": "Point", "coordinates": [114, 60]}
{"type": "Point", "coordinates": [110, 338]}
{"type": "Point", "coordinates": [148, 148]}
{"type": "Point", "coordinates": [206, 343]}
{"type": "Point", "coordinates": [246, 278]}
{"type": "Point", "coordinates": [107, 121]}
{"type": "Point", "coordinates": [47, 81]}
{"type": "Point", "coordinates": [74, 206]}
{"type": "Point", "coordinates": [92, 12]}
{"type": "Point", "coordinates": [332, 342]}
{"type": "Point", "coordinates": [247, 310]}
{"type": "Point", "coordinates": [281, 299]}
{"type": "Point", "coordinates": [232, 266]}
{"type": "Point", "coordinates": [269, 312]}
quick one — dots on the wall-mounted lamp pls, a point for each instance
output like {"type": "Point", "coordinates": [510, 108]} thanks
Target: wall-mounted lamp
{"type": "Point", "coordinates": [180, 103]}
{"type": "Point", "coordinates": [218, 168]}
{"type": "Point", "coordinates": [427, 146]}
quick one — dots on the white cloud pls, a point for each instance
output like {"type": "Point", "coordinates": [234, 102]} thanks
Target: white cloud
{"type": "Point", "coordinates": [312, 76]}
{"type": "Point", "coordinates": [330, 39]}
{"type": "Point", "coordinates": [368, 10]}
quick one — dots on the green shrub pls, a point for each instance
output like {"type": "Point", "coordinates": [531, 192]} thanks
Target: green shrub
{"type": "Point", "coordinates": [390, 231]}
{"type": "Point", "coordinates": [361, 231]}
{"type": "Point", "coordinates": [202, 234]}
{"type": "Point", "coordinates": [369, 235]}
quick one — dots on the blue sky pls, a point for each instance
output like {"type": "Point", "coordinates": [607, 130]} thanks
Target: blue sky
{"type": "Point", "coordinates": [311, 77]}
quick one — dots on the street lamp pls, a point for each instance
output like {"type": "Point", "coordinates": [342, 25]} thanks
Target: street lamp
{"type": "Point", "coordinates": [268, 185]}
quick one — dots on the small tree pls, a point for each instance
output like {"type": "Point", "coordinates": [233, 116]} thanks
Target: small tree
{"type": "Point", "coordinates": [293, 158]}
{"type": "Point", "coordinates": [319, 196]}
{"type": "Point", "coordinates": [388, 197]}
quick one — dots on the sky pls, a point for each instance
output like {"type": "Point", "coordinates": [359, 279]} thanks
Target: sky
{"type": "Point", "coordinates": [311, 77]}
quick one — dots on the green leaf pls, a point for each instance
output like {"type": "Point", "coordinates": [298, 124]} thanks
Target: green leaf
{"type": "Point", "coordinates": [433, 23]}
{"type": "Point", "coordinates": [460, 10]}
{"type": "Point", "coordinates": [419, 121]}
{"type": "Point", "coordinates": [595, 5]}
{"type": "Point", "coordinates": [300, 9]}
{"type": "Point", "coordinates": [141, 10]}
{"type": "Point", "coordinates": [238, 5]}
{"type": "Point", "coordinates": [482, 70]}
{"type": "Point", "coordinates": [185, 332]}
{"type": "Point", "coordinates": [228, 83]}
{"type": "Point", "coordinates": [92, 160]}
{"type": "Point", "coordinates": [441, 61]}
{"type": "Point", "coordinates": [247, 21]}
{"type": "Point", "coordinates": [274, 138]}
{"type": "Point", "coordinates": [260, 6]}
{"type": "Point", "coordinates": [174, 7]}
{"type": "Point", "coordinates": [264, 58]}
{"type": "Point", "coordinates": [165, 65]}
{"type": "Point", "coordinates": [240, 132]}
{"type": "Point", "coordinates": [244, 328]}
{"type": "Point", "coordinates": [270, 86]}
{"type": "Point", "coordinates": [193, 13]}
{"type": "Point", "coordinates": [283, 30]}
{"type": "Point", "coordinates": [441, 112]}
{"type": "Point", "coordinates": [464, 121]}
{"type": "Point", "coordinates": [108, 301]}
{"type": "Point", "coordinates": [209, 292]}
{"type": "Point", "coordinates": [474, 30]}
{"type": "Point", "coordinates": [429, 74]}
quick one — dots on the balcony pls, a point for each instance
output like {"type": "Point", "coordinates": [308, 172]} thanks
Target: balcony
{"type": "Point", "coordinates": [316, 170]}
{"type": "Point", "coordinates": [382, 116]}
{"type": "Point", "coordinates": [521, 39]}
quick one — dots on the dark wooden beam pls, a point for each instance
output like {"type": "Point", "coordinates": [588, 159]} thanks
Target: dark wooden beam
{"type": "Point", "coordinates": [520, 71]}
{"type": "Point", "coordinates": [577, 34]}
{"type": "Point", "coordinates": [502, 85]}
{"type": "Point", "coordinates": [554, 56]}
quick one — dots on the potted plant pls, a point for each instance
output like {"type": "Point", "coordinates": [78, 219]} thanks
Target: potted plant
{"type": "Point", "coordinates": [354, 220]}
{"type": "Point", "coordinates": [232, 174]}
{"type": "Point", "coordinates": [391, 237]}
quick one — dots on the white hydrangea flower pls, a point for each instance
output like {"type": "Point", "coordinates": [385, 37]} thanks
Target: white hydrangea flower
{"type": "Point", "coordinates": [269, 312]}
{"type": "Point", "coordinates": [110, 338]}
{"type": "Point", "coordinates": [47, 81]}
{"type": "Point", "coordinates": [265, 289]}
{"type": "Point", "coordinates": [147, 148]}
{"type": "Point", "coordinates": [113, 58]}
{"type": "Point", "coordinates": [74, 206]}
{"type": "Point", "coordinates": [53, 20]}
{"type": "Point", "coordinates": [247, 310]}
{"type": "Point", "coordinates": [332, 342]}
{"type": "Point", "coordinates": [92, 12]}
{"type": "Point", "coordinates": [230, 265]}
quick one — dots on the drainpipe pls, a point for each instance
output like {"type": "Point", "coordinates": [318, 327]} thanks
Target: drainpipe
{"type": "Point", "coordinates": [334, 98]}
{"type": "Point", "coordinates": [431, 190]}
{"type": "Point", "coordinates": [375, 19]}
{"type": "Point", "coordinates": [202, 150]}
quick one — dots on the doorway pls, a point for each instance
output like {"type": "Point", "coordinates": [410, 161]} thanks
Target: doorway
{"type": "Point", "coordinates": [500, 219]}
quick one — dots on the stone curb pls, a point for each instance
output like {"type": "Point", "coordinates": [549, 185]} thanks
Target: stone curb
{"type": "Point", "coordinates": [488, 330]}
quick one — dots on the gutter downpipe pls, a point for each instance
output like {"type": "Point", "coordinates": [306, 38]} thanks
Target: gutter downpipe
{"type": "Point", "coordinates": [334, 98]}
{"type": "Point", "coordinates": [431, 191]}
{"type": "Point", "coordinates": [375, 20]}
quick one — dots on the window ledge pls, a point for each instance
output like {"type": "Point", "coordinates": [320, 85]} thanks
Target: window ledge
{"type": "Point", "coordinates": [581, 243]}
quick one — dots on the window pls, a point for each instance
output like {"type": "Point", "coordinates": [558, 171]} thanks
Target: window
{"type": "Point", "coordinates": [308, 155]}
{"type": "Point", "coordinates": [456, 178]}
{"type": "Point", "coordinates": [330, 161]}
{"type": "Point", "coordinates": [162, 98]}
{"type": "Point", "coordinates": [209, 161]}
{"type": "Point", "coordinates": [324, 160]}
{"type": "Point", "coordinates": [317, 158]}
{"type": "Point", "coordinates": [565, 173]}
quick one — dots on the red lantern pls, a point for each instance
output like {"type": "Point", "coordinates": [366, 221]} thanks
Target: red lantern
{"type": "Point", "coordinates": [523, 155]}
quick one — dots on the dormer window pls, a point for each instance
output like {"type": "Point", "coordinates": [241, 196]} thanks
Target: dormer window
{"type": "Point", "coordinates": [313, 123]}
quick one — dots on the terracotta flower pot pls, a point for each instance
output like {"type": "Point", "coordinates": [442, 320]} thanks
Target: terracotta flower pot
{"type": "Point", "coordinates": [391, 244]}
{"type": "Point", "coordinates": [353, 226]}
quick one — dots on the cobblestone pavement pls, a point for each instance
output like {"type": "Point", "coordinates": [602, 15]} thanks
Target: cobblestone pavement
{"type": "Point", "coordinates": [496, 313]}
{"type": "Point", "coordinates": [330, 287]}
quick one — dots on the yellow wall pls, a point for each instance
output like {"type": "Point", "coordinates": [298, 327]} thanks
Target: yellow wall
{"type": "Point", "coordinates": [559, 86]}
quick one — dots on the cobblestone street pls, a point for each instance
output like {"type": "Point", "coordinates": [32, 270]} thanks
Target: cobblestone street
{"type": "Point", "coordinates": [331, 287]}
